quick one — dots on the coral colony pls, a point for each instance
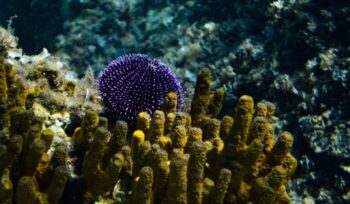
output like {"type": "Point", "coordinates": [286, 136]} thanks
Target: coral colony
{"type": "Point", "coordinates": [173, 158]}
{"type": "Point", "coordinates": [177, 157]}
{"type": "Point", "coordinates": [135, 83]}
{"type": "Point", "coordinates": [292, 52]}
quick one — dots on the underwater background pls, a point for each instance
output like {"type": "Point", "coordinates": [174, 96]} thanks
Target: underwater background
{"type": "Point", "coordinates": [294, 53]}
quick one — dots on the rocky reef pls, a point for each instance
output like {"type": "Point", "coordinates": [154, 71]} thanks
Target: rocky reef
{"type": "Point", "coordinates": [54, 140]}
{"type": "Point", "coordinates": [295, 53]}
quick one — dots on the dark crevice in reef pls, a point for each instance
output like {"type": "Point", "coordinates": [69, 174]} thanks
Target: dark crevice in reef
{"type": "Point", "coordinates": [323, 170]}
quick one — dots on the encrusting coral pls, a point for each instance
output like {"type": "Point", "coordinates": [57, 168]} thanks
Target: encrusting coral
{"type": "Point", "coordinates": [173, 157]}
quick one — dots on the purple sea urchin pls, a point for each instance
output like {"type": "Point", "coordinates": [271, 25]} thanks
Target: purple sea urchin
{"type": "Point", "coordinates": [136, 83]}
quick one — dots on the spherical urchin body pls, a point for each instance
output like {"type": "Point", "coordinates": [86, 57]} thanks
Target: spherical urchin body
{"type": "Point", "coordinates": [136, 83]}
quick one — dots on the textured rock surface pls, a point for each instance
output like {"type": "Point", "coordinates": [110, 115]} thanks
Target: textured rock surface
{"type": "Point", "coordinates": [295, 53]}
